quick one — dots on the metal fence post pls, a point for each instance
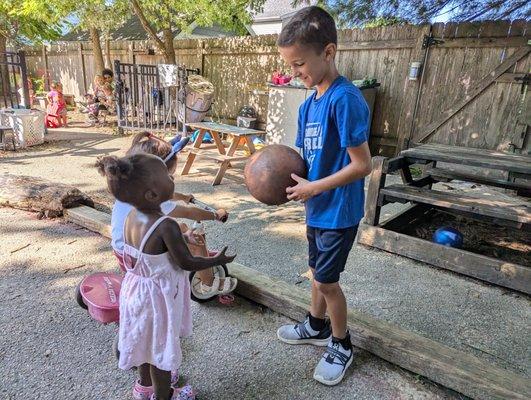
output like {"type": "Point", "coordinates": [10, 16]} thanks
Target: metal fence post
{"type": "Point", "coordinates": [24, 77]}
{"type": "Point", "coordinates": [119, 96]}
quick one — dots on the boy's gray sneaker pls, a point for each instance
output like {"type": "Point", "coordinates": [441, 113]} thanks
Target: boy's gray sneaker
{"type": "Point", "coordinates": [332, 367]}
{"type": "Point", "coordinates": [302, 333]}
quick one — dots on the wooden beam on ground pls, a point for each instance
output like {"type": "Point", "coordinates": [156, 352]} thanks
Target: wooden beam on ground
{"type": "Point", "coordinates": [488, 269]}
{"type": "Point", "coordinates": [452, 368]}
{"type": "Point", "coordinates": [90, 218]}
{"type": "Point", "coordinates": [442, 364]}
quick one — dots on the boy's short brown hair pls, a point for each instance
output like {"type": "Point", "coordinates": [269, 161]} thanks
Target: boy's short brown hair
{"type": "Point", "coordinates": [311, 26]}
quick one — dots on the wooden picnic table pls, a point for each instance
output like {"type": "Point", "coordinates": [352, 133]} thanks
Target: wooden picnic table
{"type": "Point", "coordinates": [517, 165]}
{"type": "Point", "coordinates": [420, 191]}
{"type": "Point", "coordinates": [491, 159]}
{"type": "Point", "coordinates": [513, 212]}
{"type": "Point", "coordinates": [218, 151]}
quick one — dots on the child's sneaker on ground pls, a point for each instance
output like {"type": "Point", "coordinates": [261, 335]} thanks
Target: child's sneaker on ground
{"type": "Point", "coordinates": [302, 333]}
{"type": "Point", "coordinates": [332, 367]}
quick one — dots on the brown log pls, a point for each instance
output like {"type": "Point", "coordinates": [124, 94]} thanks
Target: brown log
{"type": "Point", "coordinates": [40, 195]}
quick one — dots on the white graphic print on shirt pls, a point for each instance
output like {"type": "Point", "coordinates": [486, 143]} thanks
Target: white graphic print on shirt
{"type": "Point", "coordinates": [313, 141]}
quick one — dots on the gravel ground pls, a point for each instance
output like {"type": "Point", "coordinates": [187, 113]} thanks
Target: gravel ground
{"type": "Point", "coordinates": [50, 348]}
{"type": "Point", "coordinates": [487, 321]}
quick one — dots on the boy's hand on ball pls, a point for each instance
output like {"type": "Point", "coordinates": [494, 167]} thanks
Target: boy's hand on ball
{"type": "Point", "coordinates": [223, 258]}
{"type": "Point", "coordinates": [302, 191]}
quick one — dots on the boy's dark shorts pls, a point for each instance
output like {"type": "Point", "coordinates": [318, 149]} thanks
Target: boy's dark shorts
{"type": "Point", "coordinates": [328, 251]}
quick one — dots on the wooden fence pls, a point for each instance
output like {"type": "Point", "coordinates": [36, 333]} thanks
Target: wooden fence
{"type": "Point", "coordinates": [470, 91]}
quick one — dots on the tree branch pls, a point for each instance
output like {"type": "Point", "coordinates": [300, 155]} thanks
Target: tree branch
{"type": "Point", "coordinates": [516, 7]}
{"type": "Point", "coordinates": [147, 27]}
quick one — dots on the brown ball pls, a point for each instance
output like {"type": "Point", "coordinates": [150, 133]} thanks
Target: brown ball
{"type": "Point", "coordinates": [268, 173]}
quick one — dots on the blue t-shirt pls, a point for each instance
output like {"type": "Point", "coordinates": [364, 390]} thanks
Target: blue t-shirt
{"type": "Point", "coordinates": [327, 126]}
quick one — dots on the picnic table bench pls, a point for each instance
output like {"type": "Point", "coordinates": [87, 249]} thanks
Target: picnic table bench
{"type": "Point", "coordinates": [513, 212]}
{"type": "Point", "coordinates": [420, 190]}
{"type": "Point", "coordinates": [218, 151]}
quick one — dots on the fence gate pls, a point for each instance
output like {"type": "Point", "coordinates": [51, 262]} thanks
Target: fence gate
{"type": "Point", "coordinates": [483, 71]}
{"type": "Point", "coordinates": [142, 102]}
{"type": "Point", "coordinates": [14, 88]}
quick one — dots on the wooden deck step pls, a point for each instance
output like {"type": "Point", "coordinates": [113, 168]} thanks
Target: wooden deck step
{"type": "Point", "coordinates": [497, 209]}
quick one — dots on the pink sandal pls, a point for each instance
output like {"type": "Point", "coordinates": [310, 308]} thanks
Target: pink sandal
{"type": "Point", "coordinates": [184, 393]}
{"type": "Point", "coordinates": [146, 392]}
{"type": "Point", "coordinates": [142, 392]}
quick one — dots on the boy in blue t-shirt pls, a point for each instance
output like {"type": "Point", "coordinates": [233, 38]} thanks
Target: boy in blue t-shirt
{"type": "Point", "coordinates": [332, 133]}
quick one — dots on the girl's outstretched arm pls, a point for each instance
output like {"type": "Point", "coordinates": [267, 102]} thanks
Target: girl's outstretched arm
{"type": "Point", "coordinates": [173, 239]}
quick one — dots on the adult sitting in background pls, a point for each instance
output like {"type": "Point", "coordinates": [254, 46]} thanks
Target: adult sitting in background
{"type": "Point", "coordinates": [108, 76]}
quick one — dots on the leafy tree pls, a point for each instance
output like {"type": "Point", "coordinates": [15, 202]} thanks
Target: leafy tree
{"type": "Point", "coordinates": [359, 12]}
{"type": "Point", "coordinates": [22, 22]}
{"type": "Point", "coordinates": [383, 21]}
{"type": "Point", "coordinates": [165, 17]}
{"type": "Point", "coordinates": [97, 17]}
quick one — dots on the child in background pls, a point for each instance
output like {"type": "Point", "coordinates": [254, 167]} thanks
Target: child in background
{"type": "Point", "coordinates": [155, 295]}
{"type": "Point", "coordinates": [94, 101]}
{"type": "Point", "coordinates": [57, 104]}
{"type": "Point", "coordinates": [108, 76]}
{"type": "Point", "coordinates": [107, 101]}
{"type": "Point", "coordinates": [31, 93]}
{"type": "Point", "coordinates": [98, 86]}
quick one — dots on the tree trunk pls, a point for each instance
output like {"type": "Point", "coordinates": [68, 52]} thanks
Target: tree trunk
{"type": "Point", "coordinates": [108, 61]}
{"type": "Point", "coordinates": [96, 50]}
{"type": "Point", "coordinates": [40, 195]}
{"type": "Point", "coordinates": [169, 50]}
{"type": "Point", "coordinates": [4, 75]}
{"type": "Point", "coordinates": [163, 46]}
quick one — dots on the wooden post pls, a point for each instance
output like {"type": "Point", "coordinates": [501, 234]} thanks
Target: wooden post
{"type": "Point", "coordinates": [46, 74]}
{"type": "Point", "coordinates": [202, 51]}
{"type": "Point", "coordinates": [376, 182]}
{"type": "Point", "coordinates": [412, 90]}
{"type": "Point", "coordinates": [83, 72]}
{"type": "Point", "coordinates": [119, 96]}
{"type": "Point", "coordinates": [131, 52]}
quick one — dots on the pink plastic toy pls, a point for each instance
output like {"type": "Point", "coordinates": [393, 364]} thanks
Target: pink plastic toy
{"type": "Point", "coordinates": [100, 294]}
{"type": "Point", "coordinates": [279, 78]}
